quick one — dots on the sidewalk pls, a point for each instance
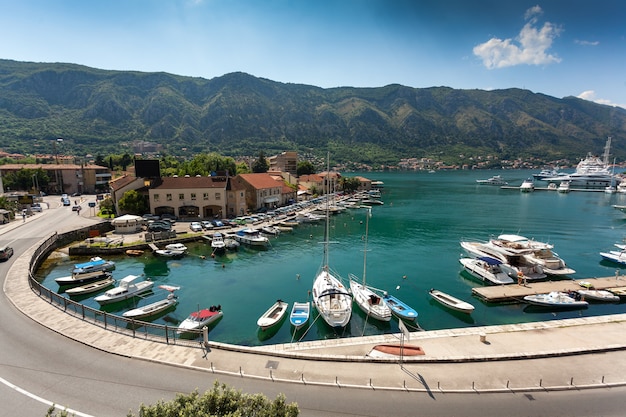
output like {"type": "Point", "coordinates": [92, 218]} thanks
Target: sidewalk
{"type": "Point", "coordinates": [560, 354]}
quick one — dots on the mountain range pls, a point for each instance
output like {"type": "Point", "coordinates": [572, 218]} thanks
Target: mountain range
{"type": "Point", "coordinates": [104, 112]}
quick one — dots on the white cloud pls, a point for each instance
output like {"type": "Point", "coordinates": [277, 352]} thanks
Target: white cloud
{"type": "Point", "coordinates": [590, 95]}
{"type": "Point", "coordinates": [530, 46]}
{"type": "Point", "coordinates": [587, 43]}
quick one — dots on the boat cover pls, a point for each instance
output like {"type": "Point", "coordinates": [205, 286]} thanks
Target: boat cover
{"type": "Point", "coordinates": [490, 261]}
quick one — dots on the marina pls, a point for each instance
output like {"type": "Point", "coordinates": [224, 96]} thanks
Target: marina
{"type": "Point", "coordinates": [408, 255]}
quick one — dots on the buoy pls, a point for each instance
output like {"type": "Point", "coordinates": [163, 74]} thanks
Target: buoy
{"type": "Point", "coordinates": [398, 287]}
{"type": "Point", "coordinates": [403, 276]}
{"type": "Point", "coordinates": [212, 255]}
{"type": "Point", "coordinates": [297, 276]}
{"type": "Point", "coordinates": [223, 266]}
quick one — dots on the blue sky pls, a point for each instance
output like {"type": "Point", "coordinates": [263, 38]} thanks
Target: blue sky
{"type": "Point", "coordinates": [555, 47]}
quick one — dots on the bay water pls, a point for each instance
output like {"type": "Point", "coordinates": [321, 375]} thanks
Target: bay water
{"type": "Point", "coordinates": [413, 246]}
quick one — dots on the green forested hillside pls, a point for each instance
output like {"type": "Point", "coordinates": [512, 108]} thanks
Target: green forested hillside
{"type": "Point", "coordinates": [98, 111]}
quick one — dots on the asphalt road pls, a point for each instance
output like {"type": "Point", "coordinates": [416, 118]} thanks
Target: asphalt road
{"type": "Point", "coordinates": [39, 367]}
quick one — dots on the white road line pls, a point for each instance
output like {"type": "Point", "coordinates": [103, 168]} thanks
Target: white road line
{"type": "Point", "coordinates": [42, 400]}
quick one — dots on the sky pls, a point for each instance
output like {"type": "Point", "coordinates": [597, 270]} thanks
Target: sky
{"type": "Point", "coordinates": [555, 47]}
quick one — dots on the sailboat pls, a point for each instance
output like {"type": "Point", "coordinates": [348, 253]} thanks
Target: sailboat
{"type": "Point", "coordinates": [611, 188]}
{"type": "Point", "coordinates": [331, 299]}
{"type": "Point", "coordinates": [371, 303]}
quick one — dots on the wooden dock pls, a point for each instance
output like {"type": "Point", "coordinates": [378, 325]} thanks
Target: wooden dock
{"type": "Point", "coordinates": [515, 293]}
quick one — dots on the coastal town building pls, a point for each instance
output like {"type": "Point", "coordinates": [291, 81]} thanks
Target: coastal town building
{"type": "Point", "coordinates": [285, 162]}
{"type": "Point", "coordinates": [67, 178]}
{"type": "Point", "coordinates": [189, 197]}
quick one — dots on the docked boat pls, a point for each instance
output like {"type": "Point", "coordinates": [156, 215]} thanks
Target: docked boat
{"type": "Point", "coordinates": [527, 186]}
{"type": "Point", "coordinates": [270, 230]}
{"type": "Point", "coordinates": [614, 256]}
{"type": "Point", "coordinates": [598, 295]}
{"type": "Point", "coordinates": [273, 315]}
{"type": "Point", "coordinates": [199, 319]}
{"type": "Point", "coordinates": [300, 313]}
{"type": "Point", "coordinates": [591, 172]}
{"type": "Point", "coordinates": [486, 268]}
{"type": "Point", "coordinates": [372, 304]}
{"type": "Point", "coordinates": [399, 308]}
{"type": "Point", "coordinates": [129, 286]}
{"type": "Point", "coordinates": [176, 247]}
{"type": "Point", "coordinates": [84, 278]}
{"type": "Point", "coordinates": [555, 299]}
{"type": "Point", "coordinates": [91, 287]}
{"type": "Point", "coordinates": [494, 180]}
{"type": "Point", "coordinates": [451, 302]}
{"type": "Point", "coordinates": [95, 264]}
{"type": "Point", "coordinates": [134, 252]}
{"type": "Point", "coordinates": [170, 253]}
{"type": "Point", "coordinates": [251, 237]}
{"type": "Point", "coordinates": [548, 173]}
{"type": "Point", "coordinates": [563, 187]}
{"type": "Point", "coordinates": [513, 264]}
{"type": "Point", "coordinates": [331, 299]}
{"type": "Point", "coordinates": [152, 309]}
{"type": "Point", "coordinates": [218, 246]}
{"type": "Point", "coordinates": [231, 244]}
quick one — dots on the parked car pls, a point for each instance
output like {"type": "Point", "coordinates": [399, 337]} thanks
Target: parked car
{"type": "Point", "coordinates": [159, 226]}
{"type": "Point", "coordinates": [66, 202]}
{"type": "Point", "coordinates": [195, 226]}
{"type": "Point", "coordinates": [206, 225]}
{"type": "Point", "coordinates": [169, 217]}
{"type": "Point", "coordinates": [5, 253]}
{"type": "Point", "coordinates": [36, 207]}
{"type": "Point", "coordinates": [147, 217]}
{"type": "Point", "coordinates": [217, 223]}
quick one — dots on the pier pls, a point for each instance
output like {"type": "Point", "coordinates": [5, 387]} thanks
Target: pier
{"type": "Point", "coordinates": [515, 293]}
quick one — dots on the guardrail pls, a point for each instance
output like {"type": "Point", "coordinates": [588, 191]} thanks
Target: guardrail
{"type": "Point", "coordinates": [133, 328]}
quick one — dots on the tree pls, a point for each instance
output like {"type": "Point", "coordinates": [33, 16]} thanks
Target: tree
{"type": "Point", "coordinates": [125, 161]}
{"type": "Point", "coordinates": [261, 164]}
{"type": "Point", "coordinates": [107, 206]}
{"type": "Point", "coordinates": [133, 202]}
{"type": "Point", "coordinates": [242, 168]}
{"type": "Point", "coordinates": [305, 168]}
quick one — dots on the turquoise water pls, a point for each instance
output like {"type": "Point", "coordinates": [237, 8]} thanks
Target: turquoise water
{"type": "Point", "coordinates": [413, 246]}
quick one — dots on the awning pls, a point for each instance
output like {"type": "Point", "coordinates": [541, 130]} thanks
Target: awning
{"type": "Point", "coordinates": [271, 200]}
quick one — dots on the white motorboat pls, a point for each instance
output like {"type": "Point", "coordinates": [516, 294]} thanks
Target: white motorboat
{"type": "Point", "coordinates": [270, 230]}
{"type": "Point", "coordinates": [451, 302]}
{"type": "Point", "coordinates": [152, 309]}
{"type": "Point", "coordinates": [91, 287]}
{"type": "Point", "coordinates": [527, 186]}
{"type": "Point", "coordinates": [273, 315]}
{"type": "Point", "coordinates": [513, 264]}
{"type": "Point", "coordinates": [251, 237]}
{"type": "Point", "coordinates": [330, 297]}
{"type": "Point", "coordinates": [555, 299]}
{"type": "Point", "coordinates": [494, 180]}
{"type": "Point", "coordinates": [372, 304]}
{"type": "Point", "coordinates": [563, 187]}
{"type": "Point", "coordinates": [199, 319]}
{"type": "Point", "coordinates": [300, 313]}
{"type": "Point", "coordinates": [591, 172]}
{"type": "Point", "coordinates": [84, 278]}
{"type": "Point", "coordinates": [548, 173]}
{"type": "Point", "coordinates": [614, 256]}
{"type": "Point", "coordinates": [169, 253]}
{"type": "Point", "coordinates": [598, 295]}
{"type": "Point", "coordinates": [95, 264]}
{"type": "Point", "coordinates": [128, 287]}
{"type": "Point", "coordinates": [218, 245]}
{"type": "Point", "coordinates": [176, 247]}
{"type": "Point", "coordinates": [486, 268]}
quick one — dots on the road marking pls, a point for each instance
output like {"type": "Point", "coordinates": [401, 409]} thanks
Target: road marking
{"type": "Point", "coordinates": [42, 400]}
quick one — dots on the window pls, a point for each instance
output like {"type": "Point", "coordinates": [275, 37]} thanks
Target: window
{"type": "Point", "coordinates": [168, 197]}
{"type": "Point", "coordinates": [205, 196]}
{"type": "Point", "coordinates": [218, 196]}
{"type": "Point", "coordinates": [181, 196]}
{"type": "Point", "coordinates": [155, 197]}
{"type": "Point", "coordinates": [193, 196]}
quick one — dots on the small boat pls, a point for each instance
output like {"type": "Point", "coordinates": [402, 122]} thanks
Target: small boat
{"type": "Point", "coordinates": [495, 180]}
{"type": "Point", "coordinates": [91, 287]}
{"type": "Point", "coordinates": [598, 295]}
{"type": "Point", "coordinates": [486, 268]}
{"type": "Point", "coordinates": [251, 237]}
{"type": "Point", "coordinates": [134, 252]}
{"type": "Point", "coordinates": [231, 244]}
{"type": "Point", "coordinates": [563, 187]}
{"type": "Point", "coordinates": [527, 186]}
{"type": "Point", "coordinates": [218, 245]}
{"type": "Point", "coordinates": [399, 308]}
{"type": "Point", "coordinates": [200, 318]}
{"type": "Point", "coordinates": [176, 247]}
{"type": "Point", "coordinates": [451, 302]}
{"type": "Point", "coordinates": [152, 309]}
{"type": "Point", "coordinates": [270, 230]}
{"type": "Point", "coordinates": [79, 279]}
{"type": "Point", "coordinates": [555, 299]}
{"type": "Point", "coordinates": [395, 349]}
{"type": "Point", "coordinates": [299, 314]}
{"type": "Point", "coordinates": [372, 202]}
{"type": "Point", "coordinates": [129, 287]}
{"type": "Point", "coordinates": [371, 303]}
{"type": "Point", "coordinates": [615, 256]}
{"type": "Point", "coordinates": [273, 315]}
{"type": "Point", "coordinates": [95, 264]}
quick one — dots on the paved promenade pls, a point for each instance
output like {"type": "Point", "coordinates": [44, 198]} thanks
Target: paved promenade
{"type": "Point", "coordinates": [561, 354]}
